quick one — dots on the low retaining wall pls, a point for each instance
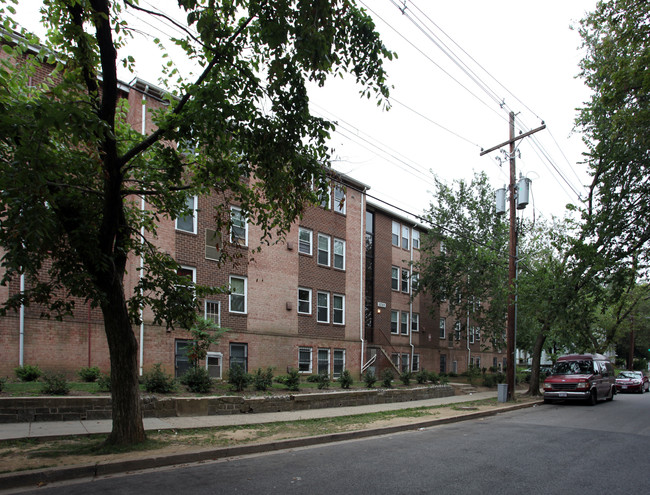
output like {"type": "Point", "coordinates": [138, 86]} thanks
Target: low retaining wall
{"type": "Point", "coordinates": [29, 409]}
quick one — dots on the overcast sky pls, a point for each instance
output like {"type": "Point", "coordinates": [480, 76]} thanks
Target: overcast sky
{"type": "Point", "coordinates": [519, 55]}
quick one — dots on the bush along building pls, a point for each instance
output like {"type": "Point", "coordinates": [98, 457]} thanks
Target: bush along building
{"type": "Point", "coordinates": [339, 292]}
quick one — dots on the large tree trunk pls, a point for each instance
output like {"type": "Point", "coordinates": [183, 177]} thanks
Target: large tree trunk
{"type": "Point", "coordinates": [533, 387]}
{"type": "Point", "coordinates": [125, 391]}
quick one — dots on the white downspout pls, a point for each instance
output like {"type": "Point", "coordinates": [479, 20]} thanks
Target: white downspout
{"type": "Point", "coordinates": [142, 208]}
{"type": "Point", "coordinates": [21, 352]}
{"type": "Point", "coordinates": [362, 299]}
{"type": "Point", "coordinates": [410, 322]}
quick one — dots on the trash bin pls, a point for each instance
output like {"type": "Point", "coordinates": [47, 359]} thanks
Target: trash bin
{"type": "Point", "coordinates": [502, 392]}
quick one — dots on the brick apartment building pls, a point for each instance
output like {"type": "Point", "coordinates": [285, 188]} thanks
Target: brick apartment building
{"type": "Point", "coordinates": [335, 294]}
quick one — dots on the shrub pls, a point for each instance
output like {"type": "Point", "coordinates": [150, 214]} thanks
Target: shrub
{"type": "Point", "coordinates": [444, 379]}
{"type": "Point", "coordinates": [281, 379]}
{"type": "Point", "coordinates": [263, 380]}
{"type": "Point", "coordinates": [473, 374]}
{"type": "Point", "coordinates": [293, 379]}
{"type": "Point", "coordinates": [323, 380]}
{"type": "Point", "coordinates": [89, 374]}
{"type": "Point", "coordinates": [422, 376]}
{"type": "Point", "coordinates": [490, 380]}
{"type": "Point", "coordinates": [55, 384]}
{"type": "Point", "coordinates": [369, 378]}
{"type": "Point", "coordinates": [157, 381]}
{"type": "Point", "coordinates": [433, 377]}
{"type": "Point", "coordinates": [28, 373]}
{"type": "Point", "coordinates": [406, 377]}
{"type": "Point", "coordinates": [346, 380]}
{"type": "Point", "coordinates": [197, 380]}
{"type": "Point", "coordinates": [238, 378]}
{"type": "Point", "coordinates": [104, 382]}
{"type": "Point", "coordinates": [387, 378]}
{"type": "Point", "coordinates": [3, 381]}
{"type": "Point", "coordinates": [313, 378]}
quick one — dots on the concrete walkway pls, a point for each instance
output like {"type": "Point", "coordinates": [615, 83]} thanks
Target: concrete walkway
{"type": "Point", "coordinates": [54, 429]}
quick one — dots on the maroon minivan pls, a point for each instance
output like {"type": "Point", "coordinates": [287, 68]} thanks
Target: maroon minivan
{"type": "Point", "coordinates": [588, 377]}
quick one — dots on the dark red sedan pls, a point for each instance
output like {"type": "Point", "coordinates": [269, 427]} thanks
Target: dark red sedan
{"type": "Point", "coordinates": [632, 381]}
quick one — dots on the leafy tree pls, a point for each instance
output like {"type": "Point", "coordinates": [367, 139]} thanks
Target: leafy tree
{"type": "Point", "coordinates": [73, 171]}
{"type": "Point", "coordinates": [464, 262]}
{"type": "Point", "coordinates": [204, 333]}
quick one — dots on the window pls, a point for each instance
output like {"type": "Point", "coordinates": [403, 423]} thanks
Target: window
{"type": "Point", "coordinates": [457, 330]}
{"type": "Point", "coordinates": [395, 359]}
{"type": "Point", "coordinates": [404, 323]}
{"type": "Point", "coordinates": [238, 227]}
{"type": "Point", "coordinates": [188, 272]}
{"type": "Point", "coordinates": [238, 290]}
{"type": "Point", "coordinates": [339, 362]}
{"type": "Point", "coordinates": [442, 328]}
{"type": "Point", "coordinates": [339, 199]}
{"type": "Point", "coordinates": [323, 307]}
{"type": "Point", "coordinates": [471, 335]}
{"type": "Point", "coordinates": [324, 361]}
{"type": "Point", "coordinates": [304, 359]}
{"type": "Point", "coordinates": [415, 239]}
{"type": "Point", "coordinates": [213, 245]}
{"type": "Point", "coordinates": [394, 278]}
{"type": "Point", "coordinates": [304, 301]}
{"type": "Point", "coordinates": [339, 254]}
{"type": "Point", "coordinates": [213, 362]}
{"type": "Point", "coordinates": [416, 362]}
{"type": "Point", "coordinates": [415, 281]}
{"type": "Point", "coordinates": [405, 237]}
{"type": "Point", "coordinates": [187, 223]}
{"type": "Point", "coordinates": [239, 356]}
{"type": "Point", "coordinates": [304, 240]}
{"type": "Point", "coordinates": [324, 197]}
{"type": "Point", "coordinates": [405, 363]}
{"type": "Point", "coordinates": [395, 237]}
{"type": "Point", "coordinates": [212, 311]}
{"type": "Point", "coordinates": [338, 307]}
{"type": "Point", "coordinates": [443, 363]}
{"type": "Point", "coordinates": [415, 322]}
{"type": "Point", "coordinates": [323, 250]}
{"type": "Point", "coordinates": [394, 318]}
{"type": "Point", "coordinates": [181, 361]}
{"type": "Point", "coordinates": [477, 332]}
{"type": "Point", "coordinates": [405, 280]}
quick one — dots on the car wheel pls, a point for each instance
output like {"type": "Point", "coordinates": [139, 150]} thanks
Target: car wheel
{"type": "Point", "coordinates": [593, 398]}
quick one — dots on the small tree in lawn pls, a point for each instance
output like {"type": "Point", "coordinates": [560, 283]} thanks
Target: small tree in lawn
{"type": "Point", "coordinates": [73, 172]}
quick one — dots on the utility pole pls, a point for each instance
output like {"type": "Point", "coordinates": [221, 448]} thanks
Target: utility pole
{"type": "Point", "coordinates": [511, 365]}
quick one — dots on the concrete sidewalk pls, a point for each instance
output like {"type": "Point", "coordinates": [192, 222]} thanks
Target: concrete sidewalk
{"type": "Point", "coordinates": [55, 429]}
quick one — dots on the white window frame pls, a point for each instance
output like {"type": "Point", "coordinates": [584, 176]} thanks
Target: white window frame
{"type": "Point", "coordinates": [405, 362]}
{"type": "Point", "coordinates": [442, 325]}
{"type": "Point", "coordinates": [394, 280]}
{"type": "Point", "coordinates": [308, 301]}
{"type": "Point", "coordinates": [301, 242]}
{"type": "Point", "coordinates": [319, 307]}
{"type": "Point", "coordinates": [193, 207]}
{"type": "Point", "coordinates": [245, 294]}
{"type": "Point", "coordinates": [395, 235]}
{"type": "Point", "coordinates": [339, 199]}
{"type": "Point", "coordinates": [405, 236]}
{"type": "Point", "coordinates": [394, 322]}
{"type": "Point", "coordinates": [336, 374]}
{"type": "Point", "coordinates": [405, 281]}
{"type": "Point", "coordinates": [415, 238]}
{"type": "Point", "coordinates": [340, 297]}
{"type": "Point", "coordinates": [318, 359]}
{"type": "Point", "coordinates": [311, 359]}
{"type": "Point", "coordinates": [415, 322]}
{"type": "Point", "coordinates": [205, 311]}
{"type": "Point", "coordinates": [415, 362]}
{"type": "Point", "coordinates": [217, 355]}
{"type": "Point", "coordinates": [340, 243]}
{"type": "Point", "coordinates": [234, 212]}
{"type": "Point", "coordinates": [404, 323]}
{"type": "Point", "coordinates": [326, 251]}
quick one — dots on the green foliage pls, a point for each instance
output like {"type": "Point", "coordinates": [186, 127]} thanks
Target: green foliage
{"type": "Point", "coordinates": [204, 333]}
{"type": "Point", "coordinates": [492, 379]}
{"type": "Point", "coordinates": [433, 377]}
{"type": "Point", "coordinates": [406, 377]}
{"type": "Point", "coordinates": [293, 379]}
{"type": "Point", "coordinates": [323, 380]}
{"type": "Point", "coordinates": [281, 379]}
{"type": "Point", "coordinates": [156, 381]}
{"type": "Point", "coordinates": [3, 382]}
{"type": "Point", "coordinates": [369, 378]}
{"type": "Point", "coordinates": [104, 382]}
{"type": "Point", "coordinates": [55, 384]}
{"type": "Point", "coordinates": [197, 380]}
{"type": "Point", "coordinates": [263, 379]}
{"type": "Point", "coordinates": [238, 378]}
{"type": "Point", "coordinates": [473, 374]}
{"type": "Point", "coordinates": [313, 378]}
{"type": "Point", "coordinates": [387, 377]}
{"type": "Point", "coordinates": [89, 374]}
{"type": "Point", "coordinates": [28, 373]}
{"type": "Point", "coordinates": [346, 379]}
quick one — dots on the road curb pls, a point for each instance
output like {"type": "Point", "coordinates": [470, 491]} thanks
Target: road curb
{"type": "Point", "coordinates": [40, 477]}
